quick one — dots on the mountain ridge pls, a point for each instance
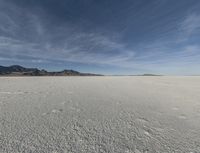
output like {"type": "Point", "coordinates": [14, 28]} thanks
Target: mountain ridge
{"type": "Point", "coordinates": [17, 70]}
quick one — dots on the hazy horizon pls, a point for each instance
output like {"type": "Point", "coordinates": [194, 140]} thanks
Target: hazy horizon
{"type": "Point", "coordinates": [109, 37]}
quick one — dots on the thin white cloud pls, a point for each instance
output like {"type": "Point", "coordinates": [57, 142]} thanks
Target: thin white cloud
{"type": "Point", "coordinates": [191, 24]}
{"type": "Point", "coordinates": [189, 27]}
{"type": "Point", "coordinates": [69, 43]}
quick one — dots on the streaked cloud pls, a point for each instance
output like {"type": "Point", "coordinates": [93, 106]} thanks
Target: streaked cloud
{"type": "Point", "coordinates": [134, 35]}
{"type": "Point", "coordinates": [191, 24]}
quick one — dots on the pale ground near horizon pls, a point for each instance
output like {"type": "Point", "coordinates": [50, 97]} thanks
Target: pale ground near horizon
{"type": "Point", "coordinates": [100, 114]}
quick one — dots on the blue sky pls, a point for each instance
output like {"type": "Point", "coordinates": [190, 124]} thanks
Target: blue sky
{"type": "Point", "coordinates": [102, 36]}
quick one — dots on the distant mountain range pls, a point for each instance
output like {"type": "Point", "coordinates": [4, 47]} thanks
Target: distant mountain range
{"type": "Point", "coordinates": [16, 70]}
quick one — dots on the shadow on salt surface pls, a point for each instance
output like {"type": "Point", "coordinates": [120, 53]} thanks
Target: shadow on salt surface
{"type": "Point", "coordinates": [53, 111]}
{"type": "Point", "coordinates": [142, 120]}
{"type": "Point", "coordinates": [182, 116]}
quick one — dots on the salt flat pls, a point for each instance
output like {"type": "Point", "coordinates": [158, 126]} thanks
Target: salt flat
{"type": "Point", "coordinates": [100, 114]}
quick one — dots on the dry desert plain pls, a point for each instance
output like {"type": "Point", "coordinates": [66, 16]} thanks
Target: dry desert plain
{"type": "Point", "coordinates": [129, 114]}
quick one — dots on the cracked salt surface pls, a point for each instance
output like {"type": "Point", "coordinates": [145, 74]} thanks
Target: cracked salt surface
{"type": "Point", "coordinates": [100, 114]}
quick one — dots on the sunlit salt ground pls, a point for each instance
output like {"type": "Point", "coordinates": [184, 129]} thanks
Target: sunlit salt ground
{"type": "Point", "coordinates": [100, 114]}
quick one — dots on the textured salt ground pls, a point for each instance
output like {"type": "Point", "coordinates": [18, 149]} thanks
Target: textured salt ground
{"type": "Point", "coordinates": [100, 114]}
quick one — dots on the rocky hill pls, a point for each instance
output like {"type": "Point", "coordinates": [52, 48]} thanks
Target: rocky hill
{"type": "Point", "coordinates": [16, 70]}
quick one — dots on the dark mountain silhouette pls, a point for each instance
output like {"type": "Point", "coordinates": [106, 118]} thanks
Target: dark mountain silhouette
{"type": "Point", "coordinates": [16, 70]}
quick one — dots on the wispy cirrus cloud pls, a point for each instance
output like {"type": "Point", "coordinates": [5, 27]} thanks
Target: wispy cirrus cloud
{"type": "Point", "coordinates": [44, 34]}
{"type": "Point", "coordinates": [191, 24]}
